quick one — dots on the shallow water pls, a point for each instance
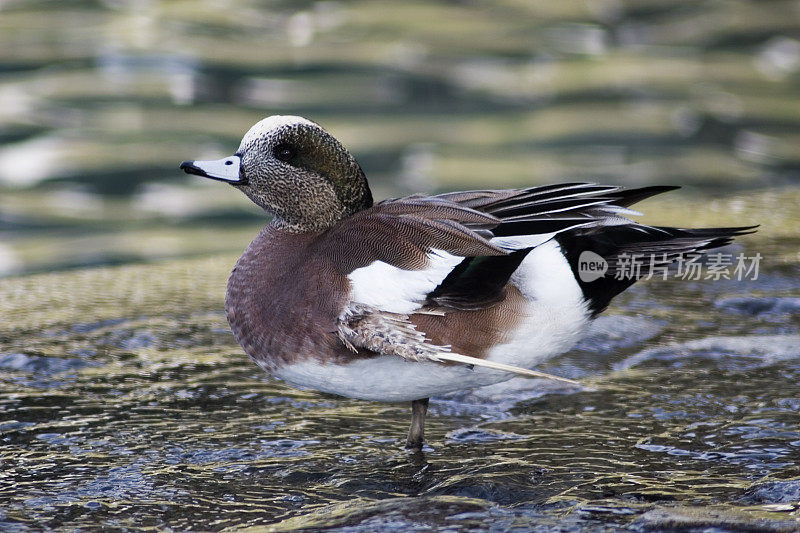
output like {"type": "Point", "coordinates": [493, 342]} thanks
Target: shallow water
{"type": "Point", "coordinates": [144, 412]}
{"type": "Point", "coordinates": [124, 400]}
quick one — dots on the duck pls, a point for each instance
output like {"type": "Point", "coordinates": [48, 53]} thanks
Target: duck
{"type": "Point", "coordinates": [412, 297]}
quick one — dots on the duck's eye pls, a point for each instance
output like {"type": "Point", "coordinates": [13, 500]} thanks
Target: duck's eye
{"type": "Point", "coordinates": [285, 152]}
{"type": "Point", "coordinates": [228, 162]}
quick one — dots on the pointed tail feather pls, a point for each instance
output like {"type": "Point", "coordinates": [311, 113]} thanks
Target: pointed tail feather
{"type": "Point", "coordinates": [628, 197]}
{"type": "Point", "coordinates": [467, 360]}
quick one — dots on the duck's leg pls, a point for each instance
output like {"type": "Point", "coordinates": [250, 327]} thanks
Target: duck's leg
{"type": "Point", "coordinates": [416, 434]}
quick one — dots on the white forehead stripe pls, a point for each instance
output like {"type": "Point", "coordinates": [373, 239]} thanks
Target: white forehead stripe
{"type": "Point", "coordinates": [264, 126]}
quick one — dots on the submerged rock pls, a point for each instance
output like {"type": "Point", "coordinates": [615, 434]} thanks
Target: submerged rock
{"type": "Point", "coordinates": [784, 491]}
{"type": "Point", "coordinates": [754, 306]}
{"type": "Point", "coordinates": [756, 350]}
{"type": "Point", "coordinates": [609, 333]}
{"type": "Point", "coordinates": [691, 518]}
{"type": "Point", "coordinates": [477, 434]}
{"type": "Point", "coordinates": [396, 514]}
{"type": "Point", "coordinates": [21, 362]}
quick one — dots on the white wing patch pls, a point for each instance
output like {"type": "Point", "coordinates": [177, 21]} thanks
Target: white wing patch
{"type": "Point", "coordinates": [388, 288]}
{"type": "Point", "coordinates": [395, 290]}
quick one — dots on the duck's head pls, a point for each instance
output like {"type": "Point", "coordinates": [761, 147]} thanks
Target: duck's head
{"type": "Point", "coordinates": [295, 170]}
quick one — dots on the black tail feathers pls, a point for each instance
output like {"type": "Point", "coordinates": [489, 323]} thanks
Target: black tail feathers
{"type": "Point", "coordinates": [630, 252]}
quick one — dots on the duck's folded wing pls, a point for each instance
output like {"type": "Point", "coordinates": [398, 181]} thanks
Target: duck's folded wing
{"type": "Point", "coordinates": [403, 232]}
{"type": "Point", "coordinates": [362, 327]}
{"type": "Point", "coordinates": [458, 250]}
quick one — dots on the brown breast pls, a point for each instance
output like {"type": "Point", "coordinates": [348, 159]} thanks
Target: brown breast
{"type": "Point", "coordinates": [283, 300]}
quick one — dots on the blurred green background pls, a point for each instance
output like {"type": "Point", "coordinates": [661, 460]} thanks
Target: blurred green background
{"type": "Point", "coordinates": [126, 401]}
{"type": "Point", "coordinates": [101, 100]}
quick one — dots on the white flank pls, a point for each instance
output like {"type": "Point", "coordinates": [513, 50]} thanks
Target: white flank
{"type": "Point", "coordinates": [556, 314]}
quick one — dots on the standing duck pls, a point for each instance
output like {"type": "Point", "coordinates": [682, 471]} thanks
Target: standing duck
{"type": "Point", "coordinates": [407, 298]}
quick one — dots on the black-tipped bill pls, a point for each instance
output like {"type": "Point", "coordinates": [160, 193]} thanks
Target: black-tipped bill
{"type": "Point", "coordinates": [226, 169]}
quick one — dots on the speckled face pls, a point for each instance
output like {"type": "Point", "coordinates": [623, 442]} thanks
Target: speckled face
{"type": "Point", "coordinates": [298, 171]}
{"type": "Point", "coordinates": [294, 169]}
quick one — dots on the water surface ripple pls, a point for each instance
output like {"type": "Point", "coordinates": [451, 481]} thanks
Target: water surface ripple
{"type": "Point", "coordinates": [146, 413]}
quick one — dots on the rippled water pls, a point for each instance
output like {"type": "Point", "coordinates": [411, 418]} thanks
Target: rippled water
{"type": "Point", "coordinates": [126, 403]}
